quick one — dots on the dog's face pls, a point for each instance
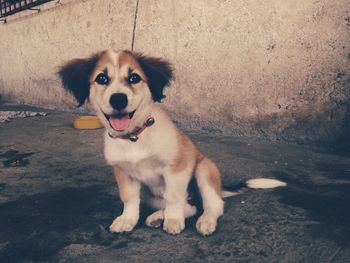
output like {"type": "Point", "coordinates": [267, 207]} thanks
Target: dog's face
{"type": "Point", "coordinates": [122, 86]}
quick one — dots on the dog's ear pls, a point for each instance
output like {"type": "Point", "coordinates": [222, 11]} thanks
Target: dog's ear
{"type": "Point", "coordinates": [75, 76]}
{"type": "Point", "coordinates": [159, 73]}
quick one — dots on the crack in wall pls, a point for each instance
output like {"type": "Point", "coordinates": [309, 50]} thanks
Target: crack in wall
{"type": "Point", "coordinates": [134, 28]}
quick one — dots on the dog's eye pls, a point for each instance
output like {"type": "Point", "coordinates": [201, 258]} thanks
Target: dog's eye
{"type": "Point", "coordinates": [134, 78]}
{"type": "Point", "coordinates": [102, 79]}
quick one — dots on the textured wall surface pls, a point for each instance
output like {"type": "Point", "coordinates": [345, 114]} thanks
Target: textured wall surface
{"type": "Point", "coordinates": [36, 45]}
{"type": "Point", "coordinates": [277, 69]}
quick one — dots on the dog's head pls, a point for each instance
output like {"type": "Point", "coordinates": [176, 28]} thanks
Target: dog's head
{"type": "Point", "coordinates": [122, 86]}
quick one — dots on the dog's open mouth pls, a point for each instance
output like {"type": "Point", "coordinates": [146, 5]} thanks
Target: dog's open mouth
{"type": "Point", "coordinates": [120, 122]}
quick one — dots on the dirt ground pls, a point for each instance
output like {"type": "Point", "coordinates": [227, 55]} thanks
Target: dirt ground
{"type": "Point", "coordinates": [58, 198]}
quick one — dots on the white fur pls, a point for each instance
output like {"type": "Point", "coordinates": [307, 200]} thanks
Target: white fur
{"type": "Point", "coordinates": [131, 212]}
{"type": "Point", "coordinates": [212, 203]}
{"type": "Point", "coordinates": [147, 161]}
{"type": "Point", "coordinates": [175, 199]}
{"type": "Point", "coordinates": [155, 219]}
{"type": "Point", "coordinates": [264, 183]}
{"type": "Point", "coordinates": [225, 194]}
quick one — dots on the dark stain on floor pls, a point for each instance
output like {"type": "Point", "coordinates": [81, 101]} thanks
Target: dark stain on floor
{"type": "Point", "coordinates": [15, 158]}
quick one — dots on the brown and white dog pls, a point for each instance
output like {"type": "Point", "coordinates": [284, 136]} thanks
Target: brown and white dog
{"type": "Point", "coordinates": [143, 144]}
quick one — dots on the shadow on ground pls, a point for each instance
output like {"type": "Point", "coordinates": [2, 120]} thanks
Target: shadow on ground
{"type": "Point", "coordinates": [36, 227]}
{"type": "Point", "coordinates": [327, 204]}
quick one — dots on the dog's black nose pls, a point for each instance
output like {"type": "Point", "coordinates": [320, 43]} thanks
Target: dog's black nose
{"type": "Point", "coordinates": [118, 101]}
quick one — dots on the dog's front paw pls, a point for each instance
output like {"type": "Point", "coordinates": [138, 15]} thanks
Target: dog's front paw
{"type": "Point", "coordinates": [122, 224]}
{"type": "Point", "coordinates": [206, 225]}
{"type": "Point", "coordinates": [174, 225]}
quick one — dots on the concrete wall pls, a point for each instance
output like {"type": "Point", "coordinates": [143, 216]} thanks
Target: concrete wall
{"type": "Point", "coordinates": [276, 69]}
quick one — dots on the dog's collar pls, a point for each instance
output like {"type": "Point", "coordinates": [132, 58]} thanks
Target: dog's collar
{"type": "Point", "coordinates": [134, 136]}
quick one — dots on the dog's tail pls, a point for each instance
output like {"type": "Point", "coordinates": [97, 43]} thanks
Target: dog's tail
{"type": "Point", "coordinates": [256, 183]}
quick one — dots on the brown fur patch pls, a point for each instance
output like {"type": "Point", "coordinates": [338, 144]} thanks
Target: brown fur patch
{"type": "Point", "coordinates": [127, 58]}
{"type": "Point", "coordinates": [186, 155]}
{"type": "Point", "coordinates": [213, 174]}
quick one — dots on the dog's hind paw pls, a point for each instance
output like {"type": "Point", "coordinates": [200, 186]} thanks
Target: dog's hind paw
{"type": "Point", "coordinates": [122, 224]}
{"type": "Point", "coordinates": [155, 219]}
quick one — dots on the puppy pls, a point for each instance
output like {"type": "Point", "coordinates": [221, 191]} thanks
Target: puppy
{"type": "Point", "coordinates": [142, 143]}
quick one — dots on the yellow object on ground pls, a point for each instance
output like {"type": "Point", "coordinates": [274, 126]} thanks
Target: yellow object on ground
{"type": "Point", "coordinates": [87, 122]}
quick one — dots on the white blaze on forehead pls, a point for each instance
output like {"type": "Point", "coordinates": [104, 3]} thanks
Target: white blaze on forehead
{"type": "Point", "coordinates": [113, 56]}
{"type": "Point", "coordinates": [117, 64]}
{"type": "Point", "coordinates": [107, 61]}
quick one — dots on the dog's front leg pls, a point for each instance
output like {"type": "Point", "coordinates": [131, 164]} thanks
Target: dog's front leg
{"type": "Point", "coordinates": [129, 191]}
{"type": "Point", "coordinates": [175, 200]}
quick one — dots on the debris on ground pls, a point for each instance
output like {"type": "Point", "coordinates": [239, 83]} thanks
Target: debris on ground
{"type": "Point", "coordinates": [6, 116]}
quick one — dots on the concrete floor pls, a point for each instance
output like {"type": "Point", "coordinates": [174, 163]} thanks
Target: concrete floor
{"type": "Point", "coordinates": [58, 197]}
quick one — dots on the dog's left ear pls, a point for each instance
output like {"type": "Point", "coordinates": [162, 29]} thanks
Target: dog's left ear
{"type": "Point", "coordinates": [158, 72]}
{"type": "Point", "coordinates": [75, 77]}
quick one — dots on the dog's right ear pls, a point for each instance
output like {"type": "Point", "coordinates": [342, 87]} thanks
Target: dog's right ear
{"type": "Point", "coordinates": [75, 76]}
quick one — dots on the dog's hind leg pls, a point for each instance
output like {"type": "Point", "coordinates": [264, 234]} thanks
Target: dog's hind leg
{"type": "Point", "coordinates": [209, 184]}
{"type": "Point", "coordinates": [156, 218]}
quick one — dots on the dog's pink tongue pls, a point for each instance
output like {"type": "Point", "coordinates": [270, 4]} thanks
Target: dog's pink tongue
{"type": "Point", "coordinates": [120, 124]}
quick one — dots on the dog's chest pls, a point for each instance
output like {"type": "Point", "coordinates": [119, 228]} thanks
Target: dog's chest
{"type": "Point", "coordinates": [137, 161]}
{"type": "Point", "coordinates": [148, 171]}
